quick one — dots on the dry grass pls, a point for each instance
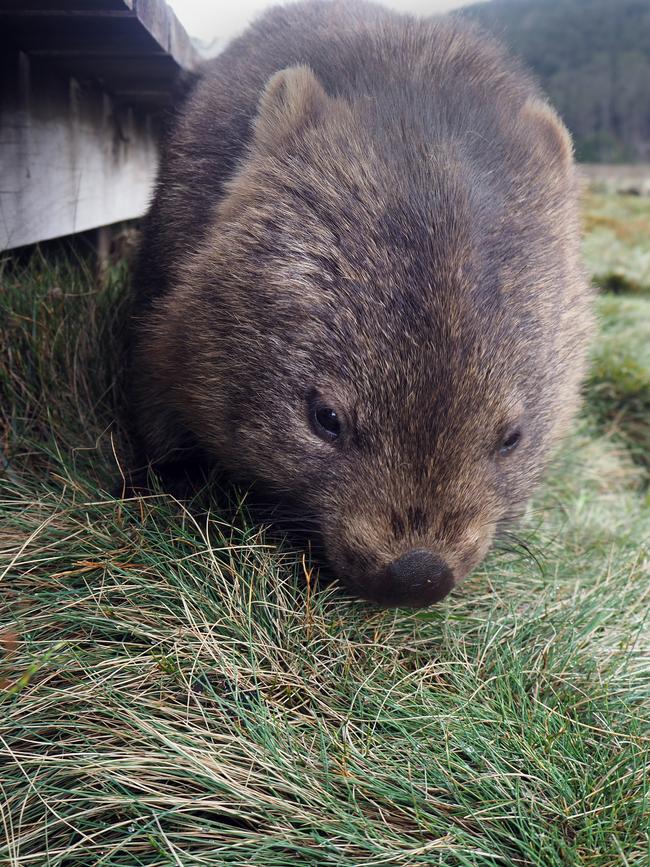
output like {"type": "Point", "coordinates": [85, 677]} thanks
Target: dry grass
{"type": "Point", "coordinates": [177, 689]}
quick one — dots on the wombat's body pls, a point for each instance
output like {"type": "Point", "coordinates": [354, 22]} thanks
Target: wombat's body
{"type": "Point", "coordinates": [360, 285]}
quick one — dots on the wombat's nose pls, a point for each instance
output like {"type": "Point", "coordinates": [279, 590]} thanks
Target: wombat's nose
{"type": "Point", "coordinates": [416, 579]}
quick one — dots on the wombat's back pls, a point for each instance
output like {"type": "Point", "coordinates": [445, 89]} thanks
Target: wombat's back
{"type": "Point", "coordinates": [453, 77]}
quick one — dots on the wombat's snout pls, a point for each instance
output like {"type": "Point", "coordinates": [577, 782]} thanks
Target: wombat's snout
{"type": "Point", "coordinates": [416, 579]}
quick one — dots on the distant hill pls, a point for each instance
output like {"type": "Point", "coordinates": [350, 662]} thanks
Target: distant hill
{"type": "Point", "coordinates": [593, 59]}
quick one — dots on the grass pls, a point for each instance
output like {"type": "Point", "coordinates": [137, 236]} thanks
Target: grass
{"type": "Point", "coordinates": [179, 690]}
{"type": "Point", "coordinates": [619, 381]}
{"type": "Point", "coordinates": [617, 245]}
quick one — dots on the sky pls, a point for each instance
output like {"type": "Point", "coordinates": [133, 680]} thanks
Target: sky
{"type": "Point", "coordinates": [220, 20]}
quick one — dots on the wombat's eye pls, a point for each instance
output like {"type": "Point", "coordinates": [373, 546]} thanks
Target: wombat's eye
{"type": "Point", "coordinates": [510, 441]}
{"type": "Point", "coordinates": [325, 422]}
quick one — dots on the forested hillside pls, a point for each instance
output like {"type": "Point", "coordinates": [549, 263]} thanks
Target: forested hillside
{"type": "Point", "coordinates": [593, 59]}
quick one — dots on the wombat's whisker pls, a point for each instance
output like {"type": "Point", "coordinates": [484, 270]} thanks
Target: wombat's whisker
{"type": "Point", "coordinates": [525, 547]}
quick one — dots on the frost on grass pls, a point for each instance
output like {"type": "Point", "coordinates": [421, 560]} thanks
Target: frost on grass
{"type": "Point", "coordinates": [178, 688]}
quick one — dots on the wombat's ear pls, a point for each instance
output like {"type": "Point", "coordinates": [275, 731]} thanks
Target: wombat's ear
{"type": "Point", "coordinates": [551, 134]}
{"type": "Point", "coordinates": [292, 99]}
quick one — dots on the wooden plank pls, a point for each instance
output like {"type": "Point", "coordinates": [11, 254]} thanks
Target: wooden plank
{"type": "Point", "coordinates": [165, 28]}
{"type": "Point", "coordinates": [82, 85]}
{"type": "Point", "coordinates": [123, 76]}
{"type": "Point", "coordinates": [83, 34]}
{"type": "Point", "coordinates": [64, 5]}
{"type": "Point", "coordinates": [6, 15]}
{"type": "Point", "coordinates": [71, 160]}
{"type": "Point", "coordinates": [123, 25]}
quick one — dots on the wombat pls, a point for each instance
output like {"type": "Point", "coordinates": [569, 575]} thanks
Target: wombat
{"type": "Point", "coordinates": [359, 286]}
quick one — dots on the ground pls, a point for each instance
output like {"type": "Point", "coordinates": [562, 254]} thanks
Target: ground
{"type": "Point", "coordinates": [178, 689]}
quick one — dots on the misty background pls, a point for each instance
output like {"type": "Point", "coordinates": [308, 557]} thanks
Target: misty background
{"type": "Point", "coordinates": [592, 57]}
{"type": "Point", "coordinates": [216, 22]}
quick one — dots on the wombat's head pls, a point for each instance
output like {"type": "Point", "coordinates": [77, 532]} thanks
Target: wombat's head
{"type": "Point", "coordinates": [390, 328]}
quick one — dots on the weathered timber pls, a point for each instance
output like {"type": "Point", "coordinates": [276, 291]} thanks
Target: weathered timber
{"type": "Point", "coordinates": [83, 87]}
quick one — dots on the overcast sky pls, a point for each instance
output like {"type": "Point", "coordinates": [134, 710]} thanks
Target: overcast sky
{"type": "Point", "coordinates": [222, 19]}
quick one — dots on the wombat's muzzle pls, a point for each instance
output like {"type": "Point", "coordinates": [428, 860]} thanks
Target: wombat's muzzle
{"type": "Point", "coordinates": [416, 579]}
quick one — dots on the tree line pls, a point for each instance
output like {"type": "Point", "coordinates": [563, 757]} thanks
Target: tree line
{"type": "Point", "coordinates": [592, 57]}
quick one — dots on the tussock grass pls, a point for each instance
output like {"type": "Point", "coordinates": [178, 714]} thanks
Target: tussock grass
{"type": "Point", "coordinates": [177, 689]}
{"type": "Point", "coordinates": [617, 243]}
{"type": "Point", "coordinates": [619, 381]}
{"type": "Point", "coordinates": [617, 249]}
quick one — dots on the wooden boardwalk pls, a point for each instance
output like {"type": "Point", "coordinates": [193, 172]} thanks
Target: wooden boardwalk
{"type": "Point", "coordinates": [84, 84]}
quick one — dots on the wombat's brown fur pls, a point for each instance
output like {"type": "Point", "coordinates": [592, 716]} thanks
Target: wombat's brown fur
{"type": "Point", "coordinates": [360, 285]}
